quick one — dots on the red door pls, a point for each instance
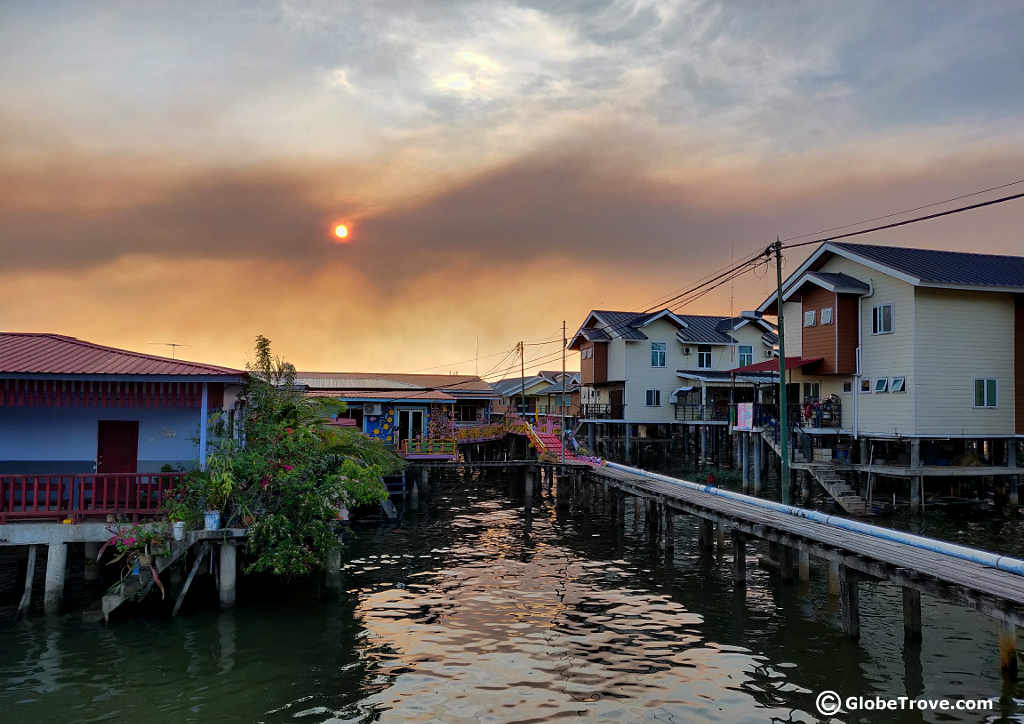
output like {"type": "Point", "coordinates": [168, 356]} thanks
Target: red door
{"type": "Point", "coordinates": [117, 448]}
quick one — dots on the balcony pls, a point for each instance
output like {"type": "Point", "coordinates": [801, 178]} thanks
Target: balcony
{"type": "Point", "coordinates": [715, 412]}
{"type": "Point", "coordinates": [83, 496]}
{"type": "Point", "coordinates": [601, 412]}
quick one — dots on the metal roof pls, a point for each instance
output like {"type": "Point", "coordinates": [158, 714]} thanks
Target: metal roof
{"type": "Point", "coordinates": [57, 354]}
{"type": "Point", "coordinates": [703, 329]}
{"type": "Point", "coordinates": [959, 268]}
{"type": "Point", "coordinates": [459, 385]}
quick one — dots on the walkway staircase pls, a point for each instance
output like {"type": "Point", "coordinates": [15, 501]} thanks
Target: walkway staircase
{"type": "Point", "coordinates": [826, 475]}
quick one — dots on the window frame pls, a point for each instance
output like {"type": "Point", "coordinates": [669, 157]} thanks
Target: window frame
{"type": "Point", "coordinates": [875, 317]}
{"type": "Point", "coordinates": [822, 315]}
{"type": "Point", "coordinates": [881, 386]}
{"type": "Point", "coordinates": [663, 351]}
{"type": "Point", "coordinates": [810, 317]}
{"type": "Point", "coordinates": [865, 385]}
{"type": "Point", "coordinates": [985, 381]}
{"type": "Point", "coordinates": [749, 354]}
{"type": "Point", "coordinates": [700, 356]}
{"type": "Point", "coordinates": [902, 384]}
{"type": "Point", "coordinates": [657, 397]}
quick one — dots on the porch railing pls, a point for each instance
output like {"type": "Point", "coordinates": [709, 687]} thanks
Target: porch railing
{"type": "Point", "coordinates": [595, 411]}
{"type": "Point", "coordinates": [81, 496]}
{"type": "Point", "coordinates": [703, 413]}
{"type": "Point", "coordinates": [428, 446]}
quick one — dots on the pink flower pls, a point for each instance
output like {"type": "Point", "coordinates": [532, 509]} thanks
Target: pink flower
{"type": "Point", "coordinates": [288, 468]}
{"type": "Point", "coordinates": [264, 483]}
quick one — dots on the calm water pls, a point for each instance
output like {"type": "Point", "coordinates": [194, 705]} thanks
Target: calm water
{"type": "Point", "coordinates": [473, 610]}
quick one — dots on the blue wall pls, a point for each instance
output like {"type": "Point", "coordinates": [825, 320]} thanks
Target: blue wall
{"type": "Point", "coordinates": [63, 440]}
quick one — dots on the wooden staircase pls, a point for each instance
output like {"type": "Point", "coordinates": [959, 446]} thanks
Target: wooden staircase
{"type": "Point", "coordinates": [826, 475]}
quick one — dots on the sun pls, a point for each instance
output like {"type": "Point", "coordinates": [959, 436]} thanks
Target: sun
{"type": "Point", "coordinates": [341, 231]}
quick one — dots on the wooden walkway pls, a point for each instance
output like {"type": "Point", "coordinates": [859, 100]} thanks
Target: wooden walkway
{"type": "Point", "coordinates": [996, 593]}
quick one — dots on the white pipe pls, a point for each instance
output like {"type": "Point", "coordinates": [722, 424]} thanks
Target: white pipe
{"type": "Point", "coordinates": [975, 555]}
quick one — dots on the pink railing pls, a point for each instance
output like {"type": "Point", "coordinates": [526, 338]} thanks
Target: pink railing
{"type": "Point", "coordinates": [80, 496]}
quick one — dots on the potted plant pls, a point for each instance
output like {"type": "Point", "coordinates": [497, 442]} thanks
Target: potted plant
{"type": "Point", "coordinates": [219, 485]}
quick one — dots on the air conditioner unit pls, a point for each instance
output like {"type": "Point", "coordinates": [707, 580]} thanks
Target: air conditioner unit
{"type": "Point", "coordinates": [374, 409]}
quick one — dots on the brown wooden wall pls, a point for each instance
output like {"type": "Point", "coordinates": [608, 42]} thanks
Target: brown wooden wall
{"type": "Point", "coordinates": [595, 369]}
{"type": "Point", "coordinates": [820, 340]}
{"type": "Point", "coordinates": [1018, 363]}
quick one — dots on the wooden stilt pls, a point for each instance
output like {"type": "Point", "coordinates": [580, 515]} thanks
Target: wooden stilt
{"type": "Point", "coordinates": [1008, 650]}
{"type": "Point", "coordinates": [739, 557]}
{"type": "Point", "coordinates": [833, 578]}
{"type": "Point", "coordinates": [850, 602]}
{"type": "Point", "coordinates": [911, 614]}
{"type": "Point", "coordinates": [30, 574]}
{"type": "Point", "coordinates": [200, 556]}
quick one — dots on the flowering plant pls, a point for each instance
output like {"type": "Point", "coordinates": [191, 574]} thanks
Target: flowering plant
{"type": "Point", "coordinates": [133, 548]}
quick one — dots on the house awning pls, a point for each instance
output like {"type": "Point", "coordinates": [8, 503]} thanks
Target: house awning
{"type": "Point", "coordinates": [682, 389]}
{"type": "Point", "coordinates": [772, 365]}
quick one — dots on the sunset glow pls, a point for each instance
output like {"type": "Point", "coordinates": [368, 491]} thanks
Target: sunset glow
{"type": "Point", "coordinates": [341, 231]}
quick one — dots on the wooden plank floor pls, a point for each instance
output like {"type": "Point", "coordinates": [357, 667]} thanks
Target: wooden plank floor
{"type": "Point", "coordinates": [1002, 585]}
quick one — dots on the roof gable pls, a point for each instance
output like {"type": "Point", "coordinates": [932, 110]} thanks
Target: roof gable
{"type": "Point", "coordinates": [919, 267]}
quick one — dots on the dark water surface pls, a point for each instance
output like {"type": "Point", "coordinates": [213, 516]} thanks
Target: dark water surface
{"type": "Point", "coordinates": [473, 610]}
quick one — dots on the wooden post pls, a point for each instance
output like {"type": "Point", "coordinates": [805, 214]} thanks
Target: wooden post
{"type": "Point", "coordinates": [30, 574]}
{"type": "Point", "coordinates": [786, 562]}
{"type": "Point", "coordinates": [758, 463]}
{"type": "Point", "coordinates": [739, 557]}
{"type": "Point", "coordinates": [744, 440]}
{"type": "Point", "coordinates": [653, 520]}
{"type": "Point", "coordinates": [804, 565]}
{"type": "Point", "coordinates": [911, 614]}
{"type": "Point", "coordinates": [706, 536]}
{"type": "Point", "coordinates": [668, 539]}
{"type": "Point", "coordinates": [720, 538]}
{"type": "Point", "coordinates": [626, 452]}
{"type": "Point", "coordinates": [833, 578]}
{"type": "Point", "coordinates": [916, 482]}
{"type": "Point", "coordinates": [849, 602]}
{"type": "Point", "coordinates": [229, 572]}
{"type": "Point", "coordinates": [1008, 650]}
{"type": "Point", "coordinates": [1011, 462]}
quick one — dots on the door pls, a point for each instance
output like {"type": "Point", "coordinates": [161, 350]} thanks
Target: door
{"type": "Point", "coordinates": [117, 446]}
{"type": "Point", "coordinates": [615, 398]}
{"type": "Point", "coordinates": [410, 425]}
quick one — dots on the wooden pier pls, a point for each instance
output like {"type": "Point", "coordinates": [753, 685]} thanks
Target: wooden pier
{"type": "Point", "coordinates": [847, 556]}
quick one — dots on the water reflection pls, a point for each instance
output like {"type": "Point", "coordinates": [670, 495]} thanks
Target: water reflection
{"type": "Point", "coordinates": [481, 608]}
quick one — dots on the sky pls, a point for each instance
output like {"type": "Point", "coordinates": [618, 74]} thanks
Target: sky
{"type": "Point", "coordinates": [172, 172]}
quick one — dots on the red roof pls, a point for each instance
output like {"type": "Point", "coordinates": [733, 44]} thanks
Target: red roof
{"type": "Point", "coordinates": [772, 365]}
{"type": "Point", "coordinates": [57, 354]}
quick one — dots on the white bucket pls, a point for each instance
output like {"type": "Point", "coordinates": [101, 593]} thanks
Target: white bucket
{"type": "Point", "coordinates": [212, 521]}
{"type": "Point", "coordinates": [179, 530]}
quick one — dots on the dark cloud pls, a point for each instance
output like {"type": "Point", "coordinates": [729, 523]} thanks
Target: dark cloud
{"type": "Point", "coordinates": [578, 204]}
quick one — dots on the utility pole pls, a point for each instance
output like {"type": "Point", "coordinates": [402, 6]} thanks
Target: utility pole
{"type": "Point", "coordinates": [783, 402]}
{"type": "Point", "coordinates": [563, 392]}
{"type": "Point", "coordinates": [522, 380]}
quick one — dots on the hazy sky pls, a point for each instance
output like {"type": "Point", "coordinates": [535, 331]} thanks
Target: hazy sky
{"type": "Point", "coordinates": [172, 172]}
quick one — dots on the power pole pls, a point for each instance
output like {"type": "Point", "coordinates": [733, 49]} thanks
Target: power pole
{"type": "Point", "coordinates": [563, 392]}
{"type": "Point", "coordinates": [783, 402]}
{"type": "Point", "coordinates": [522, 380]}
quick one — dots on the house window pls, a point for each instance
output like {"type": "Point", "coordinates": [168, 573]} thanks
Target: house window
{"type": "Point", "coordinates": [898, 384]}
{"type": "Point", "coordinates": [881, 319]}
{"type": "Point", "coordinates": [746, 355]}
{"type": "Point", "coordinates": [812, 391]}
{"type": "Point", "coordinates": [809, 318]}
{"type": "Point", "coordinates": [847, 387]}
{"type": "Point", "coordinates": [882, 385]}
{"type": "Point", "coordinates": [986, 392]}
{"type": "Point", "coordinates": [657, 354]}
{"type": "Point", "coordinates": [826, 315]}
{"type": "Point", "coordinates": [704, 357]}
{"type": "Point", "coordinates": [588, 353]}
{"type": "Point", "coordinates": [654, 398]}
{"type": "Point", "coordinates": [865, 384]}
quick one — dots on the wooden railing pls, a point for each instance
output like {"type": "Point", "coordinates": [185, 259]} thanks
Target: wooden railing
{"type": "Point", "coordinates": [428, 446]}
{"type": "Point", "coordinates": [81, 496]}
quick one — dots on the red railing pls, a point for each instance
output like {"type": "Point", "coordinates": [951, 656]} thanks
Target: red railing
{"type": "Point", "coordinates": [80, 496]}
